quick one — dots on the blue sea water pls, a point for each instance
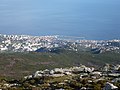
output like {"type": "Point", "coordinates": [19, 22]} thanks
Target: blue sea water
{"type": "Point", "coordinates": [93, 19]}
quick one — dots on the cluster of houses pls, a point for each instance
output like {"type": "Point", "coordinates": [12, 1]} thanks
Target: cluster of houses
{"type": "Point", "coordinates": [101, 45]}
{"type": "Point", "coordinates": [21, 43]}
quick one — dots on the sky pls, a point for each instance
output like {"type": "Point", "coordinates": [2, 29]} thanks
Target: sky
{"type": "Point", "coordinates": [93, 19]}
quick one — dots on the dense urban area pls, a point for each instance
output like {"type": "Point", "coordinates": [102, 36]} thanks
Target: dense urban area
{"type": "Point", "coordinates": [22, 43]}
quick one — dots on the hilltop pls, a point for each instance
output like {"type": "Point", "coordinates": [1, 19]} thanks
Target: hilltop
{"type": "Point", "coordinates": [73, 78]}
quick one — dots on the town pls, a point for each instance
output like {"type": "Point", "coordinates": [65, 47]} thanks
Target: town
{"type": "Point", "coordinates": [26, 43]}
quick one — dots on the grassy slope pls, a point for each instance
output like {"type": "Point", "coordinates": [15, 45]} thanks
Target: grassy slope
{"type": "Point", "coordinates": [19, 64]}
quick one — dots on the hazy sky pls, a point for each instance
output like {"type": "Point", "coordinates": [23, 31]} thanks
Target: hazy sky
{"type": "Point", "coordinates": [93, 19]}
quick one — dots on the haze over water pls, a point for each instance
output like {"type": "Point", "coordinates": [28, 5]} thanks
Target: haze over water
{"type": "Point", "coordinates": [93, 19]}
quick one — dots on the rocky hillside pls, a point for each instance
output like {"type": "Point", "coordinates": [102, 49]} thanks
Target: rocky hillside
{"type": "Point", "coordinates": [19, 64]}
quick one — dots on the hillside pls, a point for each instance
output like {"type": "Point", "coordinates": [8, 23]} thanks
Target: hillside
{"type": "Point", "coordinates": [23, 54]}
{"type": "Point", "coordinates": [16, 65]}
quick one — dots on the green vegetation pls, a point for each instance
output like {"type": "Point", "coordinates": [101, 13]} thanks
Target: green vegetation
{"type": "Point", "coordinates": [51, 83]}
{"type": "Point", "coordinates": [17, 65]}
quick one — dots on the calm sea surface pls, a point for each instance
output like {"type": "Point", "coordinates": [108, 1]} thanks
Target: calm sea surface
{"type": "Point", "coordinates": [93, 19]}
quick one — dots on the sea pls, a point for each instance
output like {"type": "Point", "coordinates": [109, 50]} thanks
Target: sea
{"type": "Point", "coordinates": [92, 19]}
